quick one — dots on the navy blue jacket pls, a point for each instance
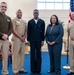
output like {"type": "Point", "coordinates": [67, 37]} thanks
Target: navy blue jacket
{"type": "Point", "coordinates": [35, 31]}
{"type": "Point", "coordinates": [55, 34]}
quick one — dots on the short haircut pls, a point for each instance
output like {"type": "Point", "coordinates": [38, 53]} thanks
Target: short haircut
{"type": "Point", "coordinates": [35, 10]}
{"type": "Point", "coordinates": [18, 11]}
{"type": "Point", "coordinates": [3, 3]}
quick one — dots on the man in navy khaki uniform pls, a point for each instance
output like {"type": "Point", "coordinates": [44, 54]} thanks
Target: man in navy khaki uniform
{"type": "Point", "coordinates": [18, 40]}
{"type": "Point", "coordinates": [71, 51]}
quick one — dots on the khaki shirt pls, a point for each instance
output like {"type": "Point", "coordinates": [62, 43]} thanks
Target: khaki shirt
{"type": "Point", "coordinates": [71, 29]}
{"type": "Point", "coordinates": [19, 26]}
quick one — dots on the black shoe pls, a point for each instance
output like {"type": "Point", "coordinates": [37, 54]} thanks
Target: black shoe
{"type": "Point", "coordinates": [33, 73]}
{"type": "Point", "coordinates": [70, 73]}
{"type": "Point", "coordinates": [16, 74]}
{"type": "Point", "coordinates": [57, 73]}
{"type": "Point", "coordinates": [24, 72]}
{"type": "Point", "coordinates": [50, 71]}
{"type": "Point", "coordinates": [38, 72]}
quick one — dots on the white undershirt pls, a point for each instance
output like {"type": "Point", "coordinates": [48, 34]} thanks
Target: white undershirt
{"type": "Point", "coordinates": [35, 21]}
{"type": "Point", "coordinates": [20, 19]}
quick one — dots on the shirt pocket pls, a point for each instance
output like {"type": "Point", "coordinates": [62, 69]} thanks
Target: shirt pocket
{"type": "Point", "coordinates": [17, 25]}
{"type": "Point", "coordinates": [7, 22]}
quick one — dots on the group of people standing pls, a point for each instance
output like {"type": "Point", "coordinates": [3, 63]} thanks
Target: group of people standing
{"type": "Point", "coordinates": [35, 34]}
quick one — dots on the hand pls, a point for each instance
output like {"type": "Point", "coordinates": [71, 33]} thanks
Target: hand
{"type": "Point", "coordinates": [28, 43]}
{"type": "Point", "coordinates": [52, 43]}
{"type": "Point", "coordinates": [42, 43]}
{"type": "Point", "coordinates": [48, 42]}
{"type": "Point", "coordinates": [22, 39]}
{"type": "Point", "coordinates": [5, 37]}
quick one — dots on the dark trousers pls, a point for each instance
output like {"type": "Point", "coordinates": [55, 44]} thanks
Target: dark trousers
{"type": "Point", "coordinates": [55, 56]}
{"type": "Point", "coordinates": [35, 56]}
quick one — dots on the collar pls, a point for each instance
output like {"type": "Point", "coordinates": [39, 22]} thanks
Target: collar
{"type": "Point", "coordinates": [2, 13]}
{"type": "Point", "coordinates": [18, 19]}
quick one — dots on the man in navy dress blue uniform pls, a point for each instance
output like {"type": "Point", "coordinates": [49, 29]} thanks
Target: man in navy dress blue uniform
{"type": "Point", "coordinates": [35, 37]}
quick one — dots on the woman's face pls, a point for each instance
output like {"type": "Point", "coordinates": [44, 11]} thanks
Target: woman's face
{"type": "Point", "coordinates": [53, 19]}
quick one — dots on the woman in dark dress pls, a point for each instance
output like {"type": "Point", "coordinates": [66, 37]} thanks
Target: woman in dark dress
{"type": "Point", "coordinates": [54, 34]}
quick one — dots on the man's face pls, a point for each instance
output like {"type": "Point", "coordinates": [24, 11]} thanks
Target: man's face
{"type": "Point", "coordinates": [36, 14]}
{"type": "Point", "coordinates": [19, 14]}
{"type": "Point", "coordinates": [72, 16]}
{"type": "Point", "coordinates": [3, 7]}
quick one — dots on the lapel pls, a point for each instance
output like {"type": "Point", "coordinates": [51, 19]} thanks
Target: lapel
{"type": "Point", "coordinates": [33, 21]}
{"type": "Point", "coordinates": [52, 29]}
{"type": "Point", "coordinates": [37, 21]}
{"type": "Point", "coordinates": [36, 24]}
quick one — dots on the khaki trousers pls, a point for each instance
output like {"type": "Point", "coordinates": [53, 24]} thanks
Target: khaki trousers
{"type": "Point", "coordinates": [71, 54]}
{"type": "Point", "coordinates": [18, 56]}
{"type": "Point", "coordinates": [4, 47]}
